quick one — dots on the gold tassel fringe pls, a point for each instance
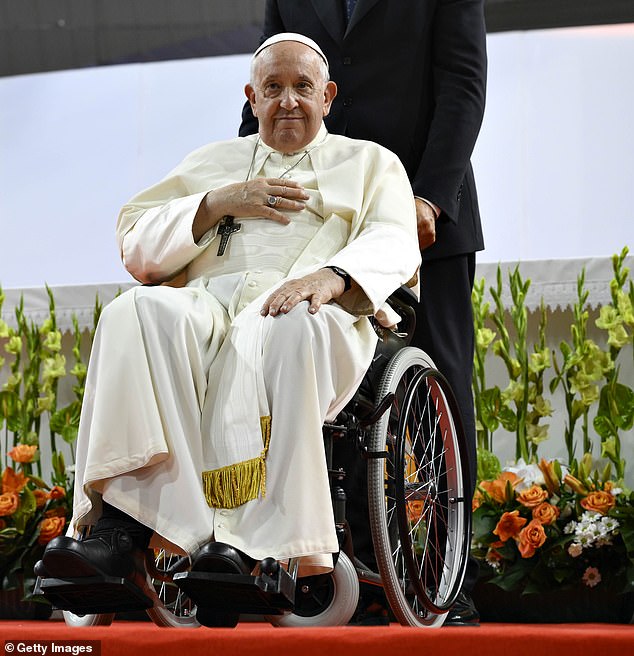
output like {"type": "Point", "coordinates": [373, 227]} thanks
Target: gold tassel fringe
{"type": "Point", "coordinates": [233, 485]}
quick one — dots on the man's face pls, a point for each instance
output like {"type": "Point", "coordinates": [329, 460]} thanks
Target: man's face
{"type": "Point", "coordinates": [289, 95]}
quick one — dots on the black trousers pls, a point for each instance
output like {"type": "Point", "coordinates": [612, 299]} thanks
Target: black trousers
{"type": "Point", "coordinates": [444, 330]}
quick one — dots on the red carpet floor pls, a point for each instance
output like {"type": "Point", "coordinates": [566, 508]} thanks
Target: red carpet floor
{"type": "Point", "coordinates": [255, 639]}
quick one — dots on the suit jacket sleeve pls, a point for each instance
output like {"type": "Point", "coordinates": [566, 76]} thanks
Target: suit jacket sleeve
{"type": "Point", "coordinates": [459, 84]}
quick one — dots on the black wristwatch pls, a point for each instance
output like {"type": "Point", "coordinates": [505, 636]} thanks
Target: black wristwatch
{"type": "Point", "coordinates": [347, 280]}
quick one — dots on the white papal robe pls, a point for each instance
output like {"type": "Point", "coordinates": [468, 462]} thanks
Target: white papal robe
{"type": "Point", "coordinates": [179, 378]}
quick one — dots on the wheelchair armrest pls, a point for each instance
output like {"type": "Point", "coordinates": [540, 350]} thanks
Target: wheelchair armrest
{"type": "Point", "coordinates": [403, 301]}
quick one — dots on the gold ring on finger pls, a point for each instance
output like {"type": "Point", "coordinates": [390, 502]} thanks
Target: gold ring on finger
{"type": "Point", "coordinates": [278, 200]}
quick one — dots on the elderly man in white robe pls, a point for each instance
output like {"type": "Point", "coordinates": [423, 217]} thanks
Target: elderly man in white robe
{"type": "Point", "coordinates": [204, 404]}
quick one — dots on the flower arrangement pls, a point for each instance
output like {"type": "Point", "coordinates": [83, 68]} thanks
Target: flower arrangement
{"type": "Point", "coordinates": [33, 510]}
{"type": "Point", "coordinates": [543, 524]}
{"type": "Point", "coordinates": [538, 528]}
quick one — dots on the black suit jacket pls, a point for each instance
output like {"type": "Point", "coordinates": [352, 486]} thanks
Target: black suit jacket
{"type": "Point", "coordinates": [411, 76]}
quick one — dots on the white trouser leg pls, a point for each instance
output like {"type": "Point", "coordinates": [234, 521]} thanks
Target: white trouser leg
{"type": "Point", "coordinates": [139, 442]}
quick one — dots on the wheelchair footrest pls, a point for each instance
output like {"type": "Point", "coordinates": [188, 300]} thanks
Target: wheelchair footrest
{"type": "Point", "coordinates": [94, 594]}
{"type": "Point", "coordinates": [238, 592]}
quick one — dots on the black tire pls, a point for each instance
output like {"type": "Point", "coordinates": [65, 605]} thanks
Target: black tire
{"type": "Point", "coordinates": [418, 492]}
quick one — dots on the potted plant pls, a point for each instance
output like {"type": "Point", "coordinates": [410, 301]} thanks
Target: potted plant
{"type": "Point", "coordinates": [555, 536]}
{"type": "Point", "coordinates": [35, 496]}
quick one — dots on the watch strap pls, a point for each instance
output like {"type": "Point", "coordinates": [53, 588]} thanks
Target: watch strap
{"type": "Point", "coordinates": [347, 279]}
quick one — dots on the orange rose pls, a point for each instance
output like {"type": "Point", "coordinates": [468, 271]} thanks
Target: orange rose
{"type": "Point", "coordinates": [57, 493]}
{"type": "Point", "coordinates": [532, 497]}
{"type": "Point", "coordinates": [55, 512]}
{"type": "Point", "coordinates": [509, 525]}
{"type": "Point", "coordinates": [414, 510]}
{"type": "Point", "coordinates": [599, 502]}
{"type": "Point", "coordinates": [531, 537]}
{"type": "Point", "coordinates": [477, 500]}
{"type": "Point", "coordinates": [501, 488]}
{"type": "Point", "coordinates": [9, 502]}
{"type": "Point", "coordinates": [12, 482]}
{"type": "Point", "coordinates": [546, 513]}
{"type": "Point", "coordinates": [22, 453]}
{"type": "Point", "coordinates": [41, 498]}
{"type": "Point", "coordinates": [50, 527]}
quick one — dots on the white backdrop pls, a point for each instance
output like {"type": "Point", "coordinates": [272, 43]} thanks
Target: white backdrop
{"type": "Point", "coordinates": [554, 162]}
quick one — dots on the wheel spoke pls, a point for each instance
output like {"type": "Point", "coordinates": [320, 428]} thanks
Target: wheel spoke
{"type": "Point", "coordinates": [418, 515]}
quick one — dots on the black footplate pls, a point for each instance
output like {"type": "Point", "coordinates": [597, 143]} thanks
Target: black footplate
{"type": "Point", "coordinates": [94, 594]}
{"type": "Point", "coordinates": [269, 594]}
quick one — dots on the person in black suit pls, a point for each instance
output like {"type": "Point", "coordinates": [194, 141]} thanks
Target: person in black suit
{"type": "Point", "coordinates": [412, 76]}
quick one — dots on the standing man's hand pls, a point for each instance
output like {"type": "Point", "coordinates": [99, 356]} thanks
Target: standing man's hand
{"type": "Point", "coordinates": [426, 222]}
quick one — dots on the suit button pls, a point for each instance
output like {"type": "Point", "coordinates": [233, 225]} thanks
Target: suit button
{"type": "Point", "coordinates": [347, 61]}
{"type": "Point", "coordinates": [347, 102]}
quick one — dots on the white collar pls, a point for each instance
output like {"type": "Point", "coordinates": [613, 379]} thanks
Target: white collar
{"type": "Point", "coordinates": [321, 135]}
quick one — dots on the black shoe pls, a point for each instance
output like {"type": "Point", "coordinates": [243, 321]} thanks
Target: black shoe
{"type": "Point", "coordinates": [463, 612]}
{"type": "Point", "coordinates": [221, 558]}
{"type": "Point", "coordinates": [105, 554]}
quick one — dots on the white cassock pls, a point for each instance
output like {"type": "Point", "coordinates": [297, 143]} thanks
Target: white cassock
{"type": "Point", "coordinates": [193, 398]}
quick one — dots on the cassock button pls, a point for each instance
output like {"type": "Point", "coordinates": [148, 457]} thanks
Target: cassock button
{"type": "Point", "coordinates": [252, 283]}
{"type": "Point", "coordinates": [347, 102]}
{"type": "Point", "coordinates": [347, 61]}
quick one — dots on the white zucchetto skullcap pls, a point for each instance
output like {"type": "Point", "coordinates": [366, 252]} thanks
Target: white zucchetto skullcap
{"type": "Point", "coordinates": [291, 36]}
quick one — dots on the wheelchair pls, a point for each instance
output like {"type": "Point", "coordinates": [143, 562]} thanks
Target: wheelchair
{"type": "Point", "coordinates": [404, 421]}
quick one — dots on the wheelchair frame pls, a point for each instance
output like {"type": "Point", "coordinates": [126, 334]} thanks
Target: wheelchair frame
{"type": "Point", "coordinates": [405, 421]}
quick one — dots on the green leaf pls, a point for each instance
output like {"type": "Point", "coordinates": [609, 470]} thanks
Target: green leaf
{"type": "Point", "coordinates": [604, 427]}
{"type": "Point", "coordinates": [484, 521]}
{"type": "Point", "coordinates": [8, 535]}
{"type": "Point", "coordinates": [38, 482]}
{"type": "Point", "coordinates": [512, 579]}
{"type": "Point", "coordinates": [65, 421]}
{"type": "Point", "coordinates": [488, 465]}
{"type": "Point", "coordinates": [627, 533]}
{"type": "Point", "coordinates": [508, 419]}
{"type": "Point", "coordinates": [491, 403]}
{"type": "Point", "coordinates": [624, 405]}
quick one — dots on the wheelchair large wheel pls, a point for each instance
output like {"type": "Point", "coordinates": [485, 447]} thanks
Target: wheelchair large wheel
{"type": "Point", "coordinates": [172, 608]}
{"type": "Point", "coordinates": [417, 484]}
{"type": "Point", "coordinates": [324, 600]}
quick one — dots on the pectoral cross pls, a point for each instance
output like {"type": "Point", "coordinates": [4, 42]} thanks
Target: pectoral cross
{"type": "Point", "coordinates": [226, 228]}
